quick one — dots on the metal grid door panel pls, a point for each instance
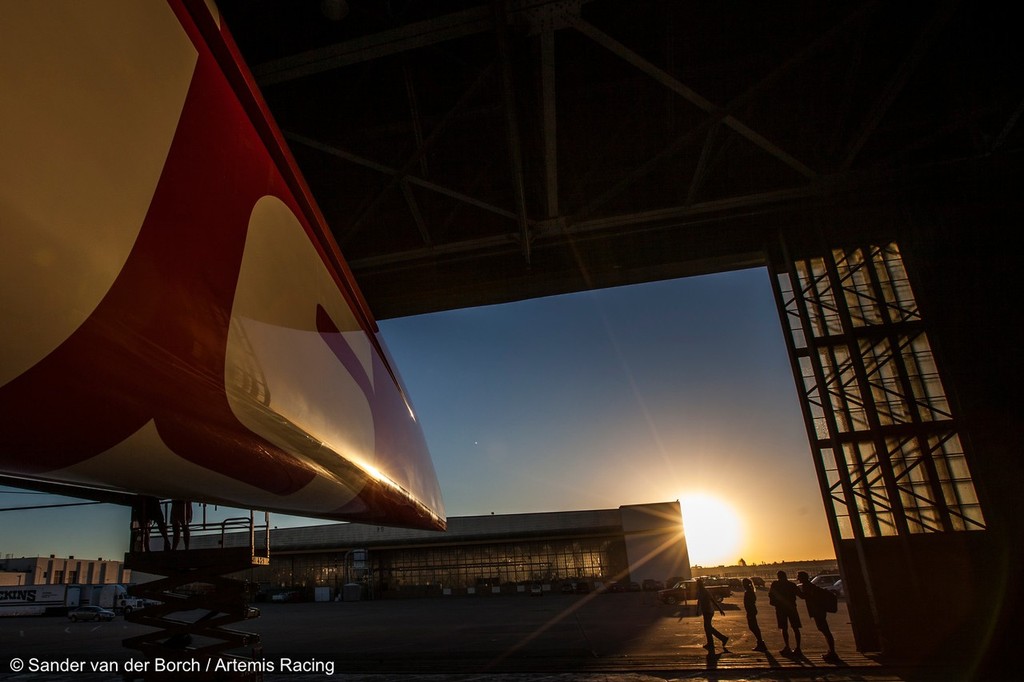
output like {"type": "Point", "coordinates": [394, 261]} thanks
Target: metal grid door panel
{"type": "Point", "coordinates": [887, 452]}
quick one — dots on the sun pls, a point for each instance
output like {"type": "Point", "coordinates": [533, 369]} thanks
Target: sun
{"type": "Point", "coordinates": [713, 530]}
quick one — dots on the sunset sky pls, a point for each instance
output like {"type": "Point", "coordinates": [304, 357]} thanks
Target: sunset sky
{"type": "Point", "coordinates": [669, 390]}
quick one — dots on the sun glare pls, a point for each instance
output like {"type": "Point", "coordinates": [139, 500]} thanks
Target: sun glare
{"type": "Point", "coordinates": [714, 533]}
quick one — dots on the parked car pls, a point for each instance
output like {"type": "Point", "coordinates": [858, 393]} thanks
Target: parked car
{"type": "Point", "coordinates": [90, 613]}
{"type": "Point", "coordinates": [829, 581]}
{"type": "Point", "coordinates": [617, 587]}
{"type": "Point", "coordinates": [568, 588]}
{"type": "Point", "coordinates": [536, 590]}
{"type": "Point", "coordinates": [287, 596]}
{"type": "Point", "coordinates": [685, 590]}
{"type": "Point", "coordinates": [651, 585]}
{"type": "Point", "coordinates": [825, 580]}
{"type": "Point", "coordinates": [717, 585]}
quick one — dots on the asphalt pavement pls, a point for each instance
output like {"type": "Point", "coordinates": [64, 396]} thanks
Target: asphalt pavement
{"type": "Point", "coordinates": [553, 638]}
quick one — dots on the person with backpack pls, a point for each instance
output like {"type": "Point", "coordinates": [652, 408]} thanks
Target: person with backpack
{"type": "Point", "coordinates": [782, 595]}
{"type": "Point", "coordinates": [819, 603]}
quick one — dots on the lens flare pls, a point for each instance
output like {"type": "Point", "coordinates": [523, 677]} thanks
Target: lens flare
{"type": "Point", "coordinates": [714, 533]}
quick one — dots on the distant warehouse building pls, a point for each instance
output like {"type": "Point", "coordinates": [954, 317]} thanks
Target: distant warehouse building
{"type": "Point", "coordinates": [493, 553]}
{"type": "Point", "coordinates": [55, 570]}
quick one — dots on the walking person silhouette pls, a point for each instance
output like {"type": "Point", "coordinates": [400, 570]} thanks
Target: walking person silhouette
{"type": "Point", "coordinates": [706, 605]}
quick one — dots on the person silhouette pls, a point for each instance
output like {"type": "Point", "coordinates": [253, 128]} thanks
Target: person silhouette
{"type": "Point", "coordinates": [750, 606]}
{"type": "Point", "coordinates": [783, 595]}
{"type": "Point", "coordinates": [181, 517]}
{"type": "Point", "coordinates": [706, 605]}
{"type": "Point", "coordinates": [146, 511]}
{"type": "Point", "coordinates": [816, 601]}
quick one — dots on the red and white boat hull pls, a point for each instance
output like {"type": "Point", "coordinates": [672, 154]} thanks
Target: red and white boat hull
{"type": "Point", "coordinates": [177, 320]}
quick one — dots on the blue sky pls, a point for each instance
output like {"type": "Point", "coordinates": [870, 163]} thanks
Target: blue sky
{"type": "Point", "coordinates": [668, 390]}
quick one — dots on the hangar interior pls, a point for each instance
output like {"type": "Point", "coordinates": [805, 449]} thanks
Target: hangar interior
{"type": "Point", "coordinates": [868, 154]}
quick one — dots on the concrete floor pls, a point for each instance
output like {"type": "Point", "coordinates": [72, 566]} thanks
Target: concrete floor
{"type": "Point", "coordinates": [616, 637]}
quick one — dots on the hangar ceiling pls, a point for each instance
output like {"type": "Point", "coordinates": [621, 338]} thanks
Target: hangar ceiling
{"type": "Point", "coordinates": [466, 153]}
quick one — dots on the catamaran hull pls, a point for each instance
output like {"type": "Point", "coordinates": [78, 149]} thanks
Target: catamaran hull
{"type": "Point", "coordinates": [178, 321]}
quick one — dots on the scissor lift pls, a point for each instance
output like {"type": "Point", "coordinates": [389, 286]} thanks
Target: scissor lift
{"type": "Point", "coordinates": [194, 601]}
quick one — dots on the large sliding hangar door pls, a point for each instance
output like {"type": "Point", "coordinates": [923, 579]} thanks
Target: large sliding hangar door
{"type": "Point", "coordinates": [868, 154]}
{"type": "Point", "coordinates": [904, 490]}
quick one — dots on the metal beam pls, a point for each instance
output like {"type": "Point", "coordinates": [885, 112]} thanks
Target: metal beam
{"type": "Point", "coordinates": [414, 209]}
{"type": "Point", "coordinates": [702, 164]}
{"type": "Point", "coordinates": [401, 39]}
{"type": "Point", "coordinates": [549, 119]}
{"type": "Point", "coordinates": [830, 187]}
{"type": "Point", "coordinates": [1005, 132]}
{"type": "Point", "coordinates": [414, 117]}
{"type": "Point", "coordinates": [899, 80]}
{"type": "Point", "coordinates": [511, 124]}
{"type": "Point", "coordinates": [635, 221]}
{"type": "Point", "coordinates": [718, 113]}
{"type": "Point", "coordinates": [821, 42]}
{"type": "Point", "coordinates": [80, 492]}
{"type": "Point", "coordinates": [388, 170]}
{"type": "Point", "coordinates": [404, 38]}
{"type": "Point", "coordinates": [421, 150]}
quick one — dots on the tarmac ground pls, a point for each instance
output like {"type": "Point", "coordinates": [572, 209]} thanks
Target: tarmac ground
{"type": "Point", "coordinates": [626, 637]}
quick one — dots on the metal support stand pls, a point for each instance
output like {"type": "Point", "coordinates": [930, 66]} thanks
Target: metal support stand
{"type": "Point", "coordinates": [193, 603]}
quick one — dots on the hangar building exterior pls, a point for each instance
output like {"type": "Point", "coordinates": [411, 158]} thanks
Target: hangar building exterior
{"type": "Point", "coordinates": [492, 553]}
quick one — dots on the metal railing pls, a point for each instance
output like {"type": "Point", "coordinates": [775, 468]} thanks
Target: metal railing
{"type": "Point", "coordinates": [236, 531]}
